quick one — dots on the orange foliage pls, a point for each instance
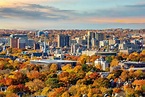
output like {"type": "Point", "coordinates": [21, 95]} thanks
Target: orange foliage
{"type": "Point", "coordinates": [139, 82]}
{"type": "Point", "coordinates": [82, 59]}
{"type": "Point", "coordinates": [8, 81]}
{"type": "Point", "coordinates": [57, 92]}
{"type": "Point", "coordinates": [93, 58]}
{"type": "Point", "coordinates": [142, 56]}
{"type": "Point", "coordinates": [94, 75]}
{"type": "Point", "coordinates": [65, 94]}
{"type": "Point", "coordinates": [34, 75]}
{"type": "Point", "coordinates": [134, 56]}
{"type": "Point", "coordinates": [98, 66]}
{"type": "Point", "coordinates": [64, 76]}
{"type": "Point", "coordinates": [12, 95]}
{"type": "Point", "coordinates": [138, 73]}
{"type": "Point", "coordinates": [124, 75]}
{"type": "Point", "coordinates": [2, 94]}
{"type": "Point", "coordinates": [116, 90]}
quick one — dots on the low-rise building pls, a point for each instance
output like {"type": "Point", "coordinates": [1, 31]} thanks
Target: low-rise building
{"type": "Point", "coordinates": [102, 62]}
{"type": "Point", "coordinates": [59, 63]}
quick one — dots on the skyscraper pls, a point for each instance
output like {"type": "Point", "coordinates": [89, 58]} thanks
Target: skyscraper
{"type": "Point", "coordinates": [93, 37]}
{"type": "Point", "coordinates": [63, 40]}
{"type": "Point", "coordinates": [89, 38]}
{"type": "Point", "coordinates": [74, 48]}
{"type": "Point", "coordinates": [21, 43]}
{"type": "Point", "coordinates": [99, 36]}
{"type": "Point", "coordinates": [18, 40]}
{"type": "Point", "coordinates": [14, 42]}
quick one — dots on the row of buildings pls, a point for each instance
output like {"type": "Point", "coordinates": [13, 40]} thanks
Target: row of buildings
{"type": "Point", "coordinates": [66, 44]}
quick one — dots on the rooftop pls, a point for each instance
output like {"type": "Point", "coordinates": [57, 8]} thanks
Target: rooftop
{"type": "Point", "coordinates": [51, 61]}
{"type": "Point", "coordinates": [133, 62]}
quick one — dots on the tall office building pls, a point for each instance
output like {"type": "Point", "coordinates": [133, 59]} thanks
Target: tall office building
{"type": "Point", "coordinates": [21, 43]}
{"type": "Point", "coordinates": [89, 38]}
{"type": "Point", "coordinates": [14, 42]}
{"type": "Point", "coordinates": [99, 36]}
{"type": "Point", "coordinates": [63, 40]}
{"type": "Point", "coordinates": [93, 38]}
{"type": "Point", "coordinates": [93, 42]}
{"type": "Point", "coordinates": [20, 39]}
{"type": "Point", "coordinates": [36, 46]}
{"type": "Point", "coordinates": [74, 48]}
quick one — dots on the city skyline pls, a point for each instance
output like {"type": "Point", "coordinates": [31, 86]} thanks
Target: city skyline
{"type": "Point", "coordinates": [76, 14]}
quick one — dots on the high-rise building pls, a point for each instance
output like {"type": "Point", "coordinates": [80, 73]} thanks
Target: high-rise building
{"type": "Point", "coordinates": [14, 42]}
{"type": "Point", "coordinates": [93, 42]}
{"type": "Point", "coordinates": [74, 48]}
{"type": "Point", "coordinates": [18, 40]}
{"type": "Point", "coordinates": [63, 40]}
{"type": "Point", "coordinates": [99, 36]}
{"type": "Point", "coordinates": [94, 37]}
{"type": "Point", "coordinates": [36, 46]}
{"type": "Point", "coordinates": [89, 38]}
{"type": "Point", "coordinates": [31, 42]}
{"type": "Point", "coordinates": [21, 43]}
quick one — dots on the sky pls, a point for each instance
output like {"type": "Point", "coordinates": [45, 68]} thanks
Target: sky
{"type": "Point", "coordinates": [72, 14]}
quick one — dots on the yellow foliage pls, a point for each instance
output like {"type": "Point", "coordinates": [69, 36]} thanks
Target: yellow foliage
{"type": "Point", "coordinates": [11, 76]}
{"type": "Point", "coordinates": [103, 89]}
{"type": "Point", "coordinates": [129, 92]}
{"type": "Point", "coordinates": [66, 67]}
{"type": "Point", "coordinates": [110, 76]}
{"type": "Point", "coordinates": [83, 88]}
{"type": "Point", "coordinates": [11, 61]}
{"type": "Point", "coordinates": [88, 73]}
{"type": "Point", "coordinates": [73, 89]}
{"type": "Point", "coordinates": [90, 93]}
{"type": "Point", "coordinates": [53, 67]}
{"type": "Point", "coordinates": [114, 62]}
{"type": "Point", "coordinates": [82, 59]}
{"type": "Point", "coordinates": [138, 73]}
{"type": "Point", "coordinates": [45, 91]}
{"type": "Point", "coordinates": [77, 68]}
{"type": "Point", "coordinates": [35, 85]}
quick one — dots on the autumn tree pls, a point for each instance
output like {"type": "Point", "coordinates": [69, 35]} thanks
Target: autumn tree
{"type": "Point", "coordinates": [52, 82]}
{"type": "Point", "coordinates": [12, 95]}
{"type": "Point", "coordinates": [53, 67]}
{"type": "Point", "coordinates": [101, 82]}
{"type": "Point", "coordinates": [138, 73]}
{"type": "Point", "coordinates": [35, 85]}
{"type": "Point", "coordinates": [142, 56]}
{"type": "Point", "coordinates": [45, 91]}
{"type": "Point", "coordinates": [82, 59]}
{"type": "Point", "coordinates": [67, 67]}
{"type": "Point", "coordinates": [124, 75]}
{"type": "Point", "coordinates": [134, 57]}
{"type": "Point", "coordinates": [114, 62]}
{"type": "Point", "coordinates": [57, 92]}
{"type": "Point", "coordinates": [65, 94]}
{"type": "Point", "coordinates": [34, 75]}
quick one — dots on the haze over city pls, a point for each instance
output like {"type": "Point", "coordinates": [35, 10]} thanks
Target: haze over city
{"type": "Point", "coordinates": [72, 14]}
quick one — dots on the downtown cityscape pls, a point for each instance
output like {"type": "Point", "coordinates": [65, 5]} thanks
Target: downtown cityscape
{"type": "Point", "coordinates": [61, 48]}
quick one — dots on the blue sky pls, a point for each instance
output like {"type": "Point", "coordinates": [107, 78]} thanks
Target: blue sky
{"type": "Point", "coordinates": [72, 14]}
